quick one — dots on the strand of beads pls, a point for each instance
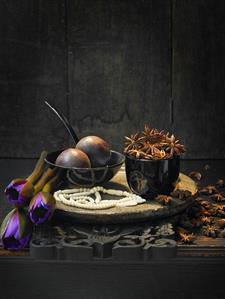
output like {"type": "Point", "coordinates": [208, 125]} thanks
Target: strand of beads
{"type": "Point", "coordinates": [91, 199]}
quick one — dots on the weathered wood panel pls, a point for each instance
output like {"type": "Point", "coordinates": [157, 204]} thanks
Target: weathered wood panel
{"type": "Point", "coordinates": [184, 278]}
{"type": "Point", "coordinates": [119, 71]}
{"type": "Point", "coordinates": [32, 68]}
{"type": "Point", "coordinates": [198, 76]}
{"type": "Point", "coordinates": [119, 66]}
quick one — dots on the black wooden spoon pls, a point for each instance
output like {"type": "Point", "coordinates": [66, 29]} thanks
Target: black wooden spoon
{"type": "Point", "coordinates": [65, 122]}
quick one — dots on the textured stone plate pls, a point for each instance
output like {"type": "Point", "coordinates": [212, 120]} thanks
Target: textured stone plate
{"type": "Point", "coordinates": [150, 210]}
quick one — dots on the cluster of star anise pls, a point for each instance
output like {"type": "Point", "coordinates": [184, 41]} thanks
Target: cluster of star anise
{"type": "Point", "coordinates": [152, 144]}
{"type": "Point", "coordinates": [207, 216]}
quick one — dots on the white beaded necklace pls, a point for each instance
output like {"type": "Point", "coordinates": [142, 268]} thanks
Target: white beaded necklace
{"type": "Point", "coordinates": [81, 198]}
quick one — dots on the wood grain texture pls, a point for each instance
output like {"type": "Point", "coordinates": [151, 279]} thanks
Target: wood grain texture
{"type": "Point", "coordinates": [198, 76]}
{"type": "Point", "coordinates": [119, 66]}
{"type": "Point", "coordinates": [112, 66]}
{"type": "Point", "coordinates": [189, 278]}
{"type": "Point", "coordinates": [32, 68]}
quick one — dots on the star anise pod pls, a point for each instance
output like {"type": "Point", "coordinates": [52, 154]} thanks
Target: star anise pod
{"type": "Point", "coordinates": [164, 199]}
{"type": "Point", "coordinates": [204, 203]}
{"type": "Point", "coordinates": [148, 131]}
{"type": "Point", "coordinates": [186, 238]}
{"type": "Point", "coordinates": [152, 135]}
{"type": "Point", "coordinates": [206, 220]}
{"type": "Point", "coordinates": [158, 154]}
{"type": "Point", "coordinates": [221, 223]}
{"type": "Point", "coordinates": [174, 146]}
{"type": "Point", "coordinates": [218, 197]}
{"type": "Point", "coordinates": [208, 190]}
{"type": "Point", "coordinates": [210, 231]}
{"type": "Point", "coordinates": [205, 212]}
{"type": "Point", "coordinates": [132, 142]}
{"type": "Point", "coordinates": [136, 153]}
{"type": "Point", "coordinates": [220, 183]}
{"type": "Point", "coordinates": [222, 233]}
{"type": "Point", "coordinates": [218, 210]}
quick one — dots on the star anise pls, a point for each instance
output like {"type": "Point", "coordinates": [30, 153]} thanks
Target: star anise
{"type": "Point", "coordinates": [205, 212]}
{"type": "Point", "coordinates": [136, 153]}
{"type": "Point", "coordinates": [206, 220]}
{"type": "Point", "coordinates": [152, 135]}
{"type": "Point", "coordinates": [164, 199]}
{"type": "Point", "coordinates": [210, 231]}
{"type": "Point", "coordinates": [218, 197]}
{"type": "Point", "coordinates": [148, 131]}
{"type": "Point", "coordinates": [174, 146]}
{"type": "Point", "coordinates": [186, 238]}
{"type": "Point", "coordinates": [218, 210]}
{"type": "Point", "coordinates": [154, 144]}
{"type": "Point", "coordinates": [221, 223]}
{"type": "Point", "coordinates": [204, 203]}
{"type": "Point", "coordinates": [208, 190]}
{"type": "Point", "coordinates": [222, 234]}
{"type": "Point", "coordinates": [220, 183]}
{"type": "Point", "coordinates": [132, 142]}
{"type": "Point", "coordinates": [158, 154]}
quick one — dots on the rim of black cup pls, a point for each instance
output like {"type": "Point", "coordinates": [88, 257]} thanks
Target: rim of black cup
{"type": "Point", "coordinates": [146, 160]}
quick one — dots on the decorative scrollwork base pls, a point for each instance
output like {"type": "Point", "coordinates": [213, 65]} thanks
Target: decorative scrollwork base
{"type": "Point", "coordinates": [83, 242]}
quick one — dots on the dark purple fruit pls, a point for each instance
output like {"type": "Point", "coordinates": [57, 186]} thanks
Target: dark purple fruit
{"type": "Point", "coordinates": [73, 157]}
{"type": "Point", "coordinates": [97, 149]}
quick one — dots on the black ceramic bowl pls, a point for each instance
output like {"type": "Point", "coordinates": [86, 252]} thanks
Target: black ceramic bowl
{"type": "Point", "coordinates": [87, 177]}
{"type": "Point", "coordinates": [151, 177]}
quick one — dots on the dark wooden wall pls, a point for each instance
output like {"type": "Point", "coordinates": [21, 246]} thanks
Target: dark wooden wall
{"type": "Point", "coordinates": [112, 66]}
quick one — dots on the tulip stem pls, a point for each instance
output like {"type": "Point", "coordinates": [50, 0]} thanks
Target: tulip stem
{"type": "Point", "coordinates": [38, 170]}
{"type": "Point", "coordinates": [48, 187]}
{"type": "Point", "coordinates": [47, 175]}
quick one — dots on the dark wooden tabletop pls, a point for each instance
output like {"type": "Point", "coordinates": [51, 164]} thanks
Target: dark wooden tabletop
{"type": "Point", "coordinates": [197, 271]}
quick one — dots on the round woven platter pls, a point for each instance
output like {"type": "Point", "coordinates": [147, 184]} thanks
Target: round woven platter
{"type": "Point", "coordinates": [151, 210]}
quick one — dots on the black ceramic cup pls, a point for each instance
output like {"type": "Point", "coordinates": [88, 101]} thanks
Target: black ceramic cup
{"type": "Point", "coordinates": [151, 177]}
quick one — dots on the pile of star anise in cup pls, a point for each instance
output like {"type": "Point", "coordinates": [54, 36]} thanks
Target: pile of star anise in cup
{"type": "Point", "coordinates": [152, 144]}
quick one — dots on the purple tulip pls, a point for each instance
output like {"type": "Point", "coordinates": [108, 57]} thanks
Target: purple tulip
{"type": "Point", "coordinates": [41, 207]}
{"type": "Point", "coordinates": [16, 230]}
{"type": "Point", "coordinates": [19, 192]}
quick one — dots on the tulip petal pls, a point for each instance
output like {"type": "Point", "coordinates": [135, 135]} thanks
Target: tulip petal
{"type": "Point", "coordinates": [6, 221]}
{"type": "Point", "coordinates": [16, 230]}
{"type": "Point", "coordinates": [39, 211]}
{"type": "Point", "coordinates": [13, 243]}
{"type": "Point", "coordinates": [18, 192]}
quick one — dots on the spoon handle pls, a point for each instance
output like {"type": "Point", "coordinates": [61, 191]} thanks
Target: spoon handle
{"type": "Point", "coordinates": [65, 123]}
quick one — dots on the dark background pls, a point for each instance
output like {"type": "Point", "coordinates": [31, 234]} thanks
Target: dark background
{"type": "Point", "coordinates": [112, 66]}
